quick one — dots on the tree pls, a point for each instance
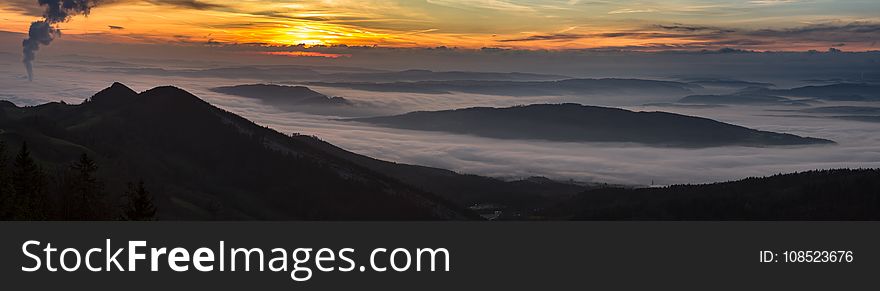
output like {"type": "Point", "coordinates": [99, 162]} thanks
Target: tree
{"type": "Point", "coordinates": [6, 190]}
{"type": "Point", "coordinates": [29, 184]}
{"type": "Point", "coordinates": [84, 193]}
{"type": "Point", "coordinates": [140, 203]}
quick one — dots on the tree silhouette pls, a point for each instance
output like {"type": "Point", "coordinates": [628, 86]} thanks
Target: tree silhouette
{"type": "Point", "coordinates": [140, 203]}
{"type": "Point", "coordinates": [84, 193]}
{"type": "Point", "coordinates": [29, 184]}
{"type": "Point", "coordinates": [6, 190]}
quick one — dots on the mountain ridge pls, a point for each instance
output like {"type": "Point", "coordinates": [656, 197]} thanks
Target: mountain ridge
{"type": "Point", "coordinates": [526, 88]}
{"type": "Point", "coordinates": [282, 94]}
{"type": "Point", "coordinates": [201, 158]}
{"type": "Point", "coordinates": [570, 122]}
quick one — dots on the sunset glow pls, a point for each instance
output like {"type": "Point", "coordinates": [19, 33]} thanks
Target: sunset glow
{"type": "Point", "coordinates": [306, 54]}
{"type": "Point", "coordinates": [683, 24]}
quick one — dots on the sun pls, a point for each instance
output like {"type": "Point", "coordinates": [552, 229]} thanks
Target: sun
{"type": "Point", "coordinates": [309, 42]}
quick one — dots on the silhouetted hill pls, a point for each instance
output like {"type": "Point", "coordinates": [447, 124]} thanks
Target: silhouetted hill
{"type": "Point", "coordinates": [844, 110]}
{"type": "Point", "coordinates": [834, 92]}
{"type": "Point", "coordinates": [206, 163]}
{"type": "Point", "coordinates": [284, 95]}
{"type": "Point", "coordinates": [427, 75]}
{"type": "Point", "coordinates": [527, 88]}
{"type": "Point", "coordinates": [847, 112]}
{"type": "Point", "coordinates": [725, 83]}
{"type": "Point", "coordinates": [767, 96]}
{"type": "Point", "coordinates": [815, 195]}
{"type": "Point", "coordinates": [574, 122]}
{"type": "Point", "coordinates": [741, 98]}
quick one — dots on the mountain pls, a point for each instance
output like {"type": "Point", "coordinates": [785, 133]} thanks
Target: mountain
{"type": "Point", "coordinates": [519, 199]}
{"type": "Point", "coordinates": [833, 92]}
{"type": "Point", "coordinates": [205, 163]}
{"type": "Point", "coordinates": [741, 98]}
{"type": "Point", "coordinates": [725, 83]}
{"type": "Point", "coordinates": [862, 118]}
{"type": "Point", "coordinates": [427, 75]}
{"type": "Point", "coordinates": [283, 95]}
{"type": "Point", "coordinates": [579, 123]}
{"type": "Point", "coordinates": [767, 96]}
{"type": "Point", "coordinates": [845, 112]}
{"type": "Point", "coordinates": [855, 110]}
{"type": "Point", "coordinates": [526, 88]}
{"type": "Point", "coordinates": [837, 92]}
{"type": "Point", "coordinates": [842, 194]}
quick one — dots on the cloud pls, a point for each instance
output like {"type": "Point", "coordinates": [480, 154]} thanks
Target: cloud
{"type": "Point", "coordinates": [620, 163]}
{"type": "Point", "coordinates": [632, 10]}
{"type": "Point", "coordinates": [114, 27]}
{"type": "Point", "coordinates": [824, 34]}
{"type": "Point", "coordinates": [598, 162]}
{"type": "Point", "coordinates": [831, 32]}
{"type": "Point", "coordinates": [694, 28]}
{"type": "Point", "coordinates": [500, 5]}
{"type": "Point", "coordinates": [698, 37]}
{"type": "Point", "coordinates": [190, 4]}
{"type": "Point", "coordinates": [772, 2]}
{"type": "Point", "coordinates": [550, 37]}
{"type": "Point", "coordinates": [29, 7]}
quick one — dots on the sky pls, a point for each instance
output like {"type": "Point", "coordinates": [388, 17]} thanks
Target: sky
{"type": "Point", "coordinates": [763, 25]}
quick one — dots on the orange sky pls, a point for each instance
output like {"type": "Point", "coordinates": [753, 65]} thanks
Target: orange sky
{"type": "Point", "coordinates": [649, 25]}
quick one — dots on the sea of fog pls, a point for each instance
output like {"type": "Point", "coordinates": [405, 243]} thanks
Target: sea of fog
{"type": "Point", "coordinates": [858, 142]}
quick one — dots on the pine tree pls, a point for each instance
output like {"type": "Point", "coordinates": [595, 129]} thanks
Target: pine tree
{"type": "Point", "coordinates": [29, 184]}
{"type": "Point", "coordinates": [84, 197]}
{"type": "Point", "coordinates": [5, 186]}
{"type": "Point", "coordinates": [140, 203]}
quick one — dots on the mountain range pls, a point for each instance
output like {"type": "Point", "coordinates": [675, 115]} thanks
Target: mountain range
{"type": "Point", "coordinates": [202, 162]}
{"type": "Point", "coordinates": [527, 88]}
{"type": "Point", "coordinates": [580, 123]}
{"type": "Point", "coordinates": [282, 95]}
{"type": "Point", "coordinates": [841, 194]}
{"type": "Point", "coordinates": [801, 96]}
{"type": "Point", "coordinates": [742, 98]}
{"type": "Point", "coordinates": [206, 163]}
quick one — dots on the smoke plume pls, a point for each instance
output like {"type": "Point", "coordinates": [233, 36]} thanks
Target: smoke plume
{"type": "Point", "coordinates": [44, 31]}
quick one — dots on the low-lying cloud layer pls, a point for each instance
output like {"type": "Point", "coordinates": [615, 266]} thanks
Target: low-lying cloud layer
{"type": "Point", "coordinates": [613, 163]}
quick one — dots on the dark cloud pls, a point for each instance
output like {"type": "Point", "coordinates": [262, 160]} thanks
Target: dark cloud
{"type": "Point", "coordinates": [44, 31]}
{"type": "Point", "coordinates": [708, 37]}
{"type": "Point", "coordinates": [29, 7]}
{"type": "Point", "coordinates": [692, 28]}
{"type": "Point", "coordinates": [551, 37]}
{"type": "Point", "coordinates": [114, 27]}
{"type": "Point", "coordinates": [281, 15]}
{"type": "Point", "coordinates": [833, 33]}
{"type": "Point", "coordinates": [32, 7]}
{"type": "Point", "coordinates": [650, 35]}
{"type": "Point", "coordinates": [851, 32]}
{"type": "Point", "coordinates": [682, 27]}
{"type": "Point", "coordinates": [736, 42]}
{"type": "Point", "coordinates": [61, 10]}
{"type": "Point", "coordinates": [191, 4]}
{"type": "Point", "coordinates": [232, 25]}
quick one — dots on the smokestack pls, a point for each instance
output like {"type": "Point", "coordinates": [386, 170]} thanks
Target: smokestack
{"type": "Point", "coordinates": [44, 31]}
